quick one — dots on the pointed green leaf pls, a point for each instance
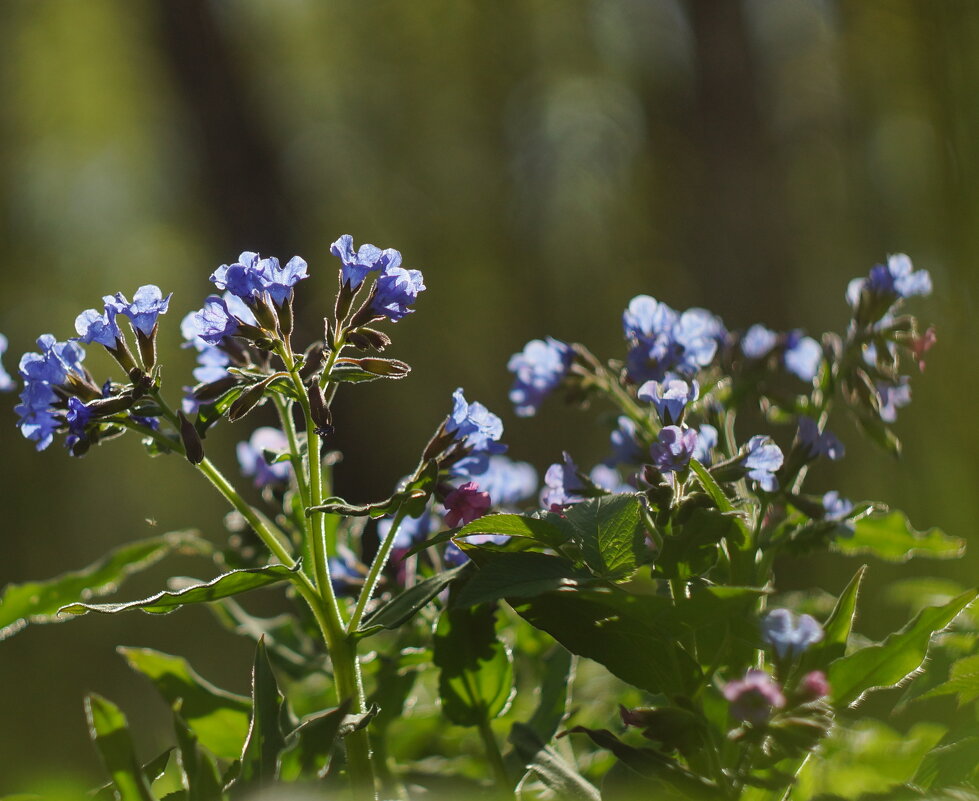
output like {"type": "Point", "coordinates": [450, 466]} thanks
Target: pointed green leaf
{"type": "Point", "coordinates": [152, 770]}
{"type": "Point", "coordinates": [949, 764]}
{"type": "Point", "coordinates": [200, 774]}
{"type": "Point", "coordinates": [519, 575]}
{"type": "Point", "coordinates": [110, 733]}
{"type": "Point", "coordinates": [963, 681]}
{"type": "Point", "coordinates": [311, 743]}
{"type": "Point", "coordinates": [894, 660]}
{"type": "Point", "coordinates": [836, 630]}
{"type": "Point", "coordinates": [400, 609]}
{"type": "Point", "coordinates": [515, 526]}
{"type": "Point", "coordinates": [475, 668]}
{"type": "Point", "coordinates": [892, 538]}
{"type": "Point", "coordinates": [217, 717]}
{"type": "Point", "coordinates": [39, 601]}
{"type": "Point", "coordinates": [231, 583]}
{"type": "Point", "coordinates": [260, 756]}
{"type": "Point", "coordinates": [610, 534]}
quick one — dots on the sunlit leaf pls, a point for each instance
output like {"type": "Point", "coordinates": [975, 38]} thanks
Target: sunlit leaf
{"type": "Point", "coordinates": [110, 733]}
{"type": "Point", "coordinates": [892, 538]}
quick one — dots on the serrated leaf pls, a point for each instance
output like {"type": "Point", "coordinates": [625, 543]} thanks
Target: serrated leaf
{"type": "Point", "coordinates": [610, 534]}
{"type": "Point", "coordinates": [895, 659]}
{"type": "Point", "coordinates": [40, 601]}
{"type": "Point", "coordinates": [515, 526]}
{"type": "Point", "coordinates": [963, 681]}
{"type": "Point", "coordinates": [218, 718]}
{"type": "Point", "coordinates": [892, 538]}
{"type": "Point", "coordinates": [548, 766]}
{"type": "Point", "coordinates": [404, 606]}
{"type": "Point", "coordinates": [110, 733]}
{"type": "Point", "coordinates": [265, 741]}
{"type": "Point", "coordinates": [519, 575]}
{"type": "Point", "coordinates": [948, 764]}
{"type": "Point", "coordinates": [475, 667]}
{"type": "Point", "coordinates": [231, 583]}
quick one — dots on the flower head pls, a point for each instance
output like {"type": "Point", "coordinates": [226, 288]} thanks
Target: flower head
{"type": "Point", "coordinates": [356, 265]}
{"type": "Point", "coordinates": [397, 289]}
{"type": "Point", "coordinates": [706, 442]}
{"type": "Point", "coordinates": [78, 418]}
{"type": "Point", "coordinates": [465, 504]}
{"type": "Point", "coordinates": [802, 356]}
{"type": "Point", "coordinates": [474, 425]}
{"type": "Point", "coordinates": [790, 636]}
{"type": "Point", "coordinates": [562, 486]}
{"type": "Point", "coordinates": [814, 685]}
{"type": "Point", "coordinates": [819, 443]}
{"type": "Point", "coordinates": [252, 460]}
{"type": "Point", "coordinates": [42, 372]}
{"type": "Point", "coordinates": [662, 341]}
{"type": "Point", "coordinates": [764, 457]}
{"type": "Point", "coordinates": [754, 697]}
{"type": "Point", "coordinates": [148, 304]}
{"type": "Point", "coordinates": [758, 341]}
{"type": "Point", "coordinates": [537, 369]}
{"type": "Point", "coordinates": [214, 322]}
{"type": "Point", "coordinates": [670, 398]}
{"type": "Point", "coordinates": [888, 283]}
{"type": "Point", "coordinates": [251, 276]}
{"type": "Point", "coordinates": [6, 382]}
{"type": "Point", "coordinates": [93, 326]}
{"type": "Point", "coordinates": [673, 450]}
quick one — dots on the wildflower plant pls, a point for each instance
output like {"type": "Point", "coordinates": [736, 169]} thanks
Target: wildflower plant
{"type": "Point", "coordinates": [473, 586]}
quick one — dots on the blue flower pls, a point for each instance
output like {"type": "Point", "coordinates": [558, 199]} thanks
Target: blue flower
{"type": "Point", "coordinates": [506, 481]}
{"type": "Point", "coordinates": [819, 443]}
{"type": "Point", "coordinates": [625, 443]}
{"type": "Point", "coordinates": [148, 304]}
{"type": "Point", "coordinates": [608, 478]}
{"type": "Point", "coordinates": [892, 397]}
{"type": "Point", "coordinates": [251, 457]}
{"type": "Point", "coordinates": [474, 425]}
{"type": "Point", "coordinates": [54, 363]}
{"type": "Point", "coordinates": [671, 453]}
{"type": "Point", "coordinates": [706, 442]}
{"type": "Point", "coordinates": [101, 328]}
{"type": "Point", "coordinates": [42, 372]}
{"type": "Point", "coordinates": [661, 341]}
{"type": "Point", "coordinates": [38, 421]}
{"type": "Point", "coordinates": [562, 486]}
{"type": "Point", "coordinates": [647, 318]}
{"type": "Point", "coordinates": [837, 507]}
{"type": "Point", "coordinates": [537, 369]}
{"type": "Point", "coordinates": [212, 323]}
{"type": "Point", "coordinates": [803, 356]}
{"type": "Point", "coordinates": [251, 276]}
{"type": "Point", "coordinates": [764, 457]}
{"type": "Point", "coordinates": [396, 290]}
{"type": "Point", "coordinates": [669, 398]}
{"type": "Point", "coordinates": [357, 265]}
{"type": "Point", "coordinates": [6, 382]}
{"type": "Point", "coordinates": [790, 636]}
{"type": "Point", "coordinates": [78, 418]}
{"type": "Point", "coordinates": [758, 341]}
{"type": "Point", "coordinates": [897, 279]}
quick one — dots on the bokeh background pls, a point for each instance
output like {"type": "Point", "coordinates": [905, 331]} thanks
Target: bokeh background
{"type": "Point", "coordinates": [542, 161]}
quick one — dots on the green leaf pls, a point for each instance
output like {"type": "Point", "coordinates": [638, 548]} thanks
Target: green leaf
{"type": "Point", "coordinates": [39, 601]}
{"type": "Point", "coordinates": [217, 717]}
{"type": "Point", "coordinates": [610, 534]}
{"type": "Point", "coordinates": [200, 774]}
{"type": "Point", "coordinates": [963, 681]}
{"type": "Point", "coordinates": [891, 537]}
{"type": "Point", "coordinates": [519, 575]}
{"type": "Point", "coordinates": [310, 744]}
{"type": "Point", "coordinates": [260, 756]}
{"type": "Point", "coordinates": [515, 526]}
{"type": "Point", "coordinates": [153, 770]}
{"type": "Point", "coordinates": [948, 764]}
{"type": "Point", "coordinates": [400, 609]}
{"type": "Point", "coordinates": [110, 733]}
{"type": "Point", "coordinates": [544, 762]}
{"type": "Point", "coordinates": [209, 414]}
{"type": "Point", "coordinates": [894, 660]}
{"type": "Point", "coordinates": [475, 668]}
{"type": "Point", "coordinates": [231, 583]}
{"type": "Point", "coordinates": [693, 548]}
{"type": "Point", "coordinates": [836, 630]}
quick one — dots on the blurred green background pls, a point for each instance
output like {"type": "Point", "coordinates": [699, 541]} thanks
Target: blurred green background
{"type": "Point", "coordinates": [542, 161]}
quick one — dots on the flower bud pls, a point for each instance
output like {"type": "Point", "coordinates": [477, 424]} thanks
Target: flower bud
{"type": "Point", "coordinates": [193, 446]}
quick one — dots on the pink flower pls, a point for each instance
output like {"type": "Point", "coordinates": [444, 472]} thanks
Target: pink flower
{"type": "Point", "coordinates": [465, 504]}
{"type": "Point", "coordinates": [814, 685]}
{"type": "Point", "coordinates": [753, 697]}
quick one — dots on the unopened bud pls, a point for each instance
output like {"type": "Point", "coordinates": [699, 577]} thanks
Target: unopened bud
{"type": "Point", "coordinates": [319, 411]}
{"type": "Point", "coordinates": [249, 399]}
{"type": "Point", "coordinates": [147, 347]}
{"type": "Point", "coordinates": [193, 447]}
{"type": "Point", "coordinates": [389, 368]}
{"type": "Point", "coordinates": [377, 339]}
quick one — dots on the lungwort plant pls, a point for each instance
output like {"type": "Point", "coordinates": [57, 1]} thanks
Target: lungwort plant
{"type": "Point", "coordinates": [619, 634]}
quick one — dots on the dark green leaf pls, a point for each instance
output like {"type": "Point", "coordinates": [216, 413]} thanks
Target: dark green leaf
{"type": "Point", "coordinates": [693, 548]}
{"type": "Point", "coordinates": [963, 681]}
{"type": "Point", "coordinates": [400, 609]}
{"type": "Point", "coordinates": [110, 733]}
{"type": "Point", "coordinates": [39, 601]}
{"type": "Point", "coordinates": [609, 532]}
{"type": "Point", "coordinates": [892, 661]}
{"type": "Point", "coordinates": [311, 743]}
{"type": "Point", "coordinates": [475, 668]}
{"type": "Point", "coordinates": [836, 629]}
{"type": "Point", "coordinates": [519, 575]}
{"type": "Point", "coordinates": [217, 717]}
{"type": "Point", "coordinates": [231, 583]}
{"type": "Point", "coordinates": [515, 526]}
{"type": "Point", "coordinates": [547, 765]}
{"type": "Point", "coordinates": [260, 756]}
{"type": "Point", "coordinates": [892, 538]}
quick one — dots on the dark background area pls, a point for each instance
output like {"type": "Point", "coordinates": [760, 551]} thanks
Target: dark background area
{"type": "Point", "coordinates": [542, 161]}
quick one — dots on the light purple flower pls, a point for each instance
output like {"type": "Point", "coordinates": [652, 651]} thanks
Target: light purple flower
{"type": "Point", "coordinates": [819, 443]}
{"type": "Point", "coordinates": [214, 322]}
{"type": "Point", "coordinates": [397, 289]}
{"type": "Point", "coordinates": [6, 382]}
{"type": "Point", "coordinates": [251, 457]}
{"type": "Point", "coordinates": [251, 276]}
{"type": "Point", "coordinates": [789, 635]}
{"type": "Point", "coordinates": [897, 278]}
{"type": "Point", "coordinates": [148, 304]}
{"type": "Point", "coordinates": [893, 397]}
{"type": "Point", "coordinates": [764, 457]}
{"type": "Point", "coordinates": [758, 341]}
{"type": "Point", "coordinates": [100, 328]}
{"type": "Point", "coordinates": [507, 482]}
{"type": "Point", "coordinates": [465, 504]}
{"type": "Point", "coordinates": [356, 265]}
{"type": "Point", "coordinates": [562, 486]}
{"type": "Point", "coordinates": [538, 370]}
{"type": "Point", "coordinates": [814, 685]}
{"type": "Point", "coordinates": [608, 479]}
{"type": "Point", "coordinates": [662, 341]}
{"type": "Point", "coordinates": [672, 451]}
{"type": "Point", "coordinates": [669, 398]}
{"type": "Point", "coordinates": [474, 425]}
{"type": "Point", "coordinates": [706, 442]}
{"type": "Point", "coordinates": [754, 697]}
{"type": "Point", "coordinates": [803, 355]}
{"type": "Point", "coordinates": [625, 443]}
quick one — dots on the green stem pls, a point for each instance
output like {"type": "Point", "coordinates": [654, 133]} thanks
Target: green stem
{"type": "Point", "coordinates": [284, 409]}
{"type": "Point", "coordinates": [374, 574]}
{"type": "Point", "coordinates": [494, 755]}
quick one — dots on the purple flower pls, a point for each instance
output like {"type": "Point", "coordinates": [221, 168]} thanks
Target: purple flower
{"type": "Point", "coordinates": [6, 382]}
{"type": "Point", "coordinates": [506, 481]}
{"type": "Point", "coordinates": [465, 504]}
{"type": "Point", "coordinates": [625, 444]}
{"type": "Point", "coordinates": [753, 697]}
{"type": "Point", "coordinates": [819, 443]}
{"type": "Point", "coordinates": [764, 457]}
{"type": "Point", "coordinates": [672, 451]}
{"type": "Point", "coordinates": [758, 341]}
{"type": "Point", "coordinates": [148, 304]}
{"type": "Point", "coordinates": [562, 486]}
{"type": "Point", "coordinates": [647, 318]}
{"type": "Point", "coordinates": [706, 442]}
{"type": "Point", "coordinates": [42, 372]}
{"type": "Point", "coordinates": [78, 418]}
{"type": "Point", "coordinates": [397, 289]}
{"type": "Point", "coordinates": [101, 328]}
{"type": "Point", "coordinates": [53, 364]}
{"type": "Point", "coordinates": [251, 457]}
{"type": "Point", "coordinates": [608, 479]}
{"type": "Point", "coordinates": [790, 636]}
{"type": "Point", "coordinates": [897, 278]}
{"type": "Point", "coordinates": [537, 369]}
{"type": "Point", "coordinates": [892, 397]}
{"type": "Point", "coordinates": [669, 398]}
{"type": "Point", "coordinates": [803, 356]}
{"type": "Point", "coordinates": [661, 341]}
{"type": "Point", "coordinates": [355, 266]}
{"type": "Point", "coordinates": [251, 276]}
{"type": "Point", "coordinates": [837, 507]}
{"type": "Point", "coordinates": [814, 685]}
{"type": "Point", "coordinates": [474, 425]}
{"type": "Point", "coordinates": [214, 322]}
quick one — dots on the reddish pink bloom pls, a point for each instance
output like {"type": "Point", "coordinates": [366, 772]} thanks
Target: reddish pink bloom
{"type": "Point", "coordinates": [465, 504]}
{"type": "Point", "coordinates": [814, 685]}
{"type": "Point", "coordinates": [919, 345]}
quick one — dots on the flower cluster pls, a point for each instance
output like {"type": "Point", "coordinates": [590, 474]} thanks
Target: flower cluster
{"type": "Point", "coordinates": [538, 370]}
